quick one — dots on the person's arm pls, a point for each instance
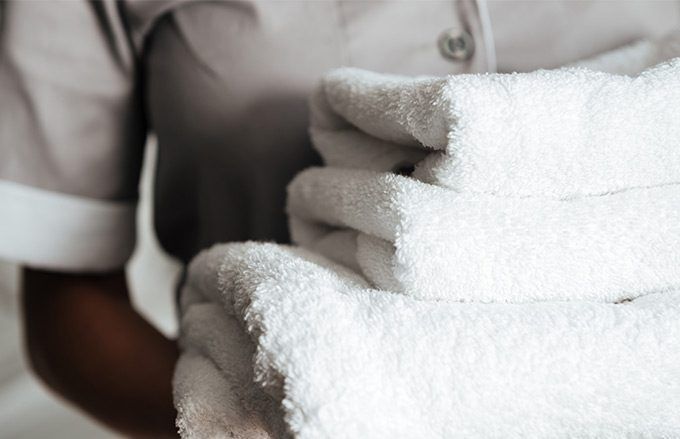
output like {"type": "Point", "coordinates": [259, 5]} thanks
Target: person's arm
{"type": "Point", "coordinates": [72, 136]}
{"type": "Point", "coordinates": [86, 342]}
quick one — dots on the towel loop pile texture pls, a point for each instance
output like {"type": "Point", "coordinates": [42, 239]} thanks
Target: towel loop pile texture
{"type": "Point", "coordinates": [345, 361]}
{"type": "Point", "coordinates": [431, 243]}
{"type": "Point", "coordinates": [552, 133]}
{"type": "Point", "coordinates": [521, 278]}
{"type": "Point", "coordinates": [548, 185]}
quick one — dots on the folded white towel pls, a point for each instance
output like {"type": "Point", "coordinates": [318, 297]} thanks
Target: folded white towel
{"type": "Point", "coordinates": [433, 243]}
{"type": "Point", "coordinates": [557, 133]}
{"type": "Point", "coordinates": [213, 382]}
{"type": "Point", "coordinates": [348, 362]}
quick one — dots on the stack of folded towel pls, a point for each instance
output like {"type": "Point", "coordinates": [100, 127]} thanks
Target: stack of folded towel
{"type": "Point", "coordinates": [551, 185]}
{"type": "Point", "coordinates": [533, 245]}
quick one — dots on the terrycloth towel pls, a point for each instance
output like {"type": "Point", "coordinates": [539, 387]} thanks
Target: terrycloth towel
{"type": "Point", "coordinates": [554, 133]}
{"type": "Point", "coordinates": [214, 386]}
{"type": "Point", "coordinates": [428, 242]}
{"type": "Point", "coordinates": [281, 342]}
{"type": "Point", "coordinates": [213, 383]}
{"type": "Point", "coordinates": [348, 362]}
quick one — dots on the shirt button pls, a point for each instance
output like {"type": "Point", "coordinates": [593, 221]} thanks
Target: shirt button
{"type": "Point", "coordinates": [456, 44]}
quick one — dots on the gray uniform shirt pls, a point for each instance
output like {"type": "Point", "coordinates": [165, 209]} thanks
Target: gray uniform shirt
{"type": "Point", "coordinates": [223, 85]}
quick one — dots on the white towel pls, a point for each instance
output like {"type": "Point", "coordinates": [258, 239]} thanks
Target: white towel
{"type": "Point", "coordinates": [280, 342]}
{"type": "Point", "coordinates": [428, 242]}
{"type": "Point", "coordinates": [213, 383]}
{"type": "Point", "coordinates": [349, 362]}
{"type": "Point", "coordinates": [553, 133]}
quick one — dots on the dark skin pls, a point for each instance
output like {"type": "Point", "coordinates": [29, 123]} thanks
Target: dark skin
{"type": "Point", "coordinates": [87, 343]}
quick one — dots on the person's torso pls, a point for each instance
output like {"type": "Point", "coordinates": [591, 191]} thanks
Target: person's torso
{"type": "Point", "coordinates": [226, 85]}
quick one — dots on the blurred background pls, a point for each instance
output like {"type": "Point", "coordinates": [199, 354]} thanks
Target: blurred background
{"type": "Point", "coordinates": [27, 408]}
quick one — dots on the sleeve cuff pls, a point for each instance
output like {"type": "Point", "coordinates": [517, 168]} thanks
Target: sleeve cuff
{"type": "Point", "coordinates": [55, 231]}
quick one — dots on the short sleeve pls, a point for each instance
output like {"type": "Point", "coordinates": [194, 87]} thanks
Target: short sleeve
{"type": "Point", "coordinates": [71, 135]}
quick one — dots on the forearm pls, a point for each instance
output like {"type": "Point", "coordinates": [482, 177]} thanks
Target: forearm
{"type": "Point", "coordinates": [87, 342]}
